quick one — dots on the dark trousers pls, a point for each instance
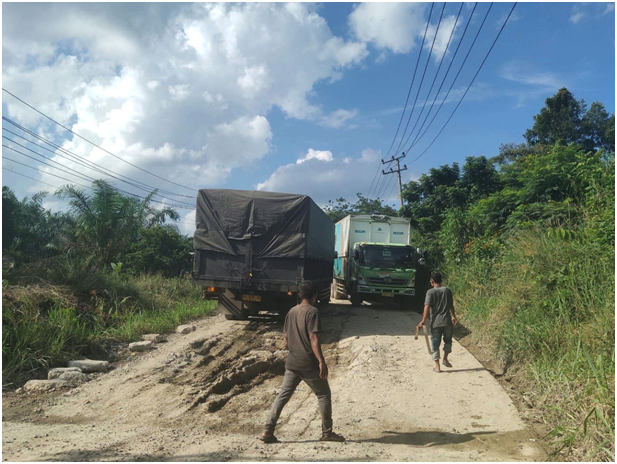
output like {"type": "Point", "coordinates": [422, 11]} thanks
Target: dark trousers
{"type": "Point", "coordinates": [320, 387]}
{"type": "Point", "coordinates": [436, 334]}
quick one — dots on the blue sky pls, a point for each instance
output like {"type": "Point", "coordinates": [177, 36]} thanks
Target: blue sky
{"type": "Point", "coordinates": [297, 98]}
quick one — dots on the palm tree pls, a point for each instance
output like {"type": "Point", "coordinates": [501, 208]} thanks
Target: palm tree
{"type": "Point", "coordinates": [108, 222]}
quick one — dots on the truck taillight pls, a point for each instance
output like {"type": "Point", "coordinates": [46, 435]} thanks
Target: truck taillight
{"type": "Point", "coordinates": [211, 289]}
{"type": "Point", "coordinates": [289, 293]}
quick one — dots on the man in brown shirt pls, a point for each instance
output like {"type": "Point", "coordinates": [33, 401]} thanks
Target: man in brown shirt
{"type": "Point", "coordinates": [305, 362]}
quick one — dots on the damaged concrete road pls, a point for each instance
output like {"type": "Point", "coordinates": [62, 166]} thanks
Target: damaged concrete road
{"type": "Point", "coordinates": [204, 395]}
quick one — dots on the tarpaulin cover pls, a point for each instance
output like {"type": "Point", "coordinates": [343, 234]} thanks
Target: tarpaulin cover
{"type": "Point", "coordinates": [277, 224]}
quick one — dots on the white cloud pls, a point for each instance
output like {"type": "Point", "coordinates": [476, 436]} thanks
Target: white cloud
{"type": "Point", "coordinates": [585, 10]}
{"type": "Point", "coordinates": [320, 155]}
{"type": "Point", "coordinates": [338, 118]}
{"type": "Point", "coordinates": [576, 17]}
{"type": "Point", "coordinates": [393, 26]}
{"type": "Point", "coordinates": [521, 73]}
{"type": "Point", "coordinates": [441, 41]}
{"type": "Point", "coordinates": [515, 16]}
{"type": "Point", "coordinates": [179, 92]}
{"type": "Point", "coordinates": [328, 177]}
{"type": "Point", "coordinates": [184, 94]}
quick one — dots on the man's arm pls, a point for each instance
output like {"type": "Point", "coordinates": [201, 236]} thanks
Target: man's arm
{"type": "Point", "coordinates": [316, 347]}
{"type": "Point", "coordinates": [453, 314]}
{"type": "Point", "coordinates": [427, 309]}
{"type": "Point", "coordinates": [286, 341]}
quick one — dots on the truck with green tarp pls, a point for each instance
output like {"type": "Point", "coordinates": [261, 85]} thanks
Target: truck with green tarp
{"type": "Point", "coordinates": [375, 260]}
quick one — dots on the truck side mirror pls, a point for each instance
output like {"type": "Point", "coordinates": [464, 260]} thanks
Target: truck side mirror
{"type": "Point", "coordinates": [356, 254]}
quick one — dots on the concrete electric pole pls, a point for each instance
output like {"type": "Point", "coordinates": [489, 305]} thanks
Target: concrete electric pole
{"type": "Point", "coordinates": [397, 171]}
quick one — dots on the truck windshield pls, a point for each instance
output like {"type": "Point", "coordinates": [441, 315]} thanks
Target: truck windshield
{"type": "Point", "coordinates": [386, 256]}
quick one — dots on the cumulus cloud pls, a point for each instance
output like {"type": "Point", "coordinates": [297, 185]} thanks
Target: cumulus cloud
{"type": "Point", "coordinates": [324, 177]}
{"type": "Point", "coordinates": [393, 26]}
{"type": "Point", "coordinates": [181, 90]}
{"type": "Point", "coordinates": [325, 155]}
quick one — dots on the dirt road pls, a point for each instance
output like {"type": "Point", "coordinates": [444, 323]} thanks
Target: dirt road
{"type": "Point", "coordinates": [204, 397]}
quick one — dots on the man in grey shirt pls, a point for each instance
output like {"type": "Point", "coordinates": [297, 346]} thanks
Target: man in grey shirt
{"type": "Point", "coordinates": [305, 362]}
{"type": "Point", "coordinates": [440, 303]}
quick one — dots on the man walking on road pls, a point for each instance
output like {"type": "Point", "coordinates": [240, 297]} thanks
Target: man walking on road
{"type": "Point", "coordinates": [305, 362]}
{"type": "Point", "coordinates": [440, 303]}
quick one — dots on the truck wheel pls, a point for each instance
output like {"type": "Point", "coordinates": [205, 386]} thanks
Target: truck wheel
{"type": "Point", "coordinates": [356, 299]}
{"type": "Point", "coordinates": [230, 317]}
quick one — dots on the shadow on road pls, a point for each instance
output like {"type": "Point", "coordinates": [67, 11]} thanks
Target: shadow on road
{"type": "Point", "coordinates": [424, 438]}
{"type": "Point", "coordinates": [454, 371]}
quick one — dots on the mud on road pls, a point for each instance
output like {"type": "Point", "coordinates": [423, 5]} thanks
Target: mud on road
{"type": "Point", "coordinates": [204, 396]}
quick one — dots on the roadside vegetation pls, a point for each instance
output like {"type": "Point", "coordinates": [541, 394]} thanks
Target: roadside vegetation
{"type": "Point", "coordinates": [81, 281]}
{"type": "Point", "coordinates": [527, 240]}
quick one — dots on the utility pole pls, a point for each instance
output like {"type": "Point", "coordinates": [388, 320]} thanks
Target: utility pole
{"type": "Point", "coordinates": [397, 171]}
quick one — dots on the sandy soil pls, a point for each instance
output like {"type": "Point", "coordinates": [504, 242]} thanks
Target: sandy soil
{"type": "Point", "coordinates": [204, 397]}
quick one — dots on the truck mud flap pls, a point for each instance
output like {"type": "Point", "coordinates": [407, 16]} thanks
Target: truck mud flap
{"type": "Point", "coordinates": [230, 305]}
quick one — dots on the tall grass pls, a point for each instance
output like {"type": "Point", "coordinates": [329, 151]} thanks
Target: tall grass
{"type": "Point", "coordinates": [44, 325]}
{"type": "Point", "coordinates": [546, 308]}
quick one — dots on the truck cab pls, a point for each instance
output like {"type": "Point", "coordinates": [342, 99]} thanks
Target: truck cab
{"type": "Point", "coordinates": [381, 270]}
{"type": "Point", "coordinates": [375, 261]}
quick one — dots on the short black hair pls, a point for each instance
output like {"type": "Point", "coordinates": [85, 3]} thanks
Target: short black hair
{"type": "Point", "coordinates": [307, 290]}
{"type": "Point", "coordinates": [436, 276]}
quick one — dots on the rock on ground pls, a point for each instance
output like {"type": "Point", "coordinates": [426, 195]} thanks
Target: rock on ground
{"type": "Point", "coordinates": [141, 346]}
{"type": "Point", "coordinates": [184, 329]}
{"type": "Point", "coordinates": [45, 385]}
{"type": "Point", "coordinates": [90, 365]}
{"type": "Point", "coordinates": [74, 378]}
{"type": "Point", "coordinates": [58, 371]}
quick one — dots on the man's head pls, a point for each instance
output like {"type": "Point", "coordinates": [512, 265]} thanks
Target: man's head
{"type": "Point", "coordinates": [435, 278]}
{"type": "Point", "coordinates": [308, 291]}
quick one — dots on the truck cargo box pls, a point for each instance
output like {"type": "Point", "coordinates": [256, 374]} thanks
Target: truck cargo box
{"type": "Point", "coordinates": [261, 241]}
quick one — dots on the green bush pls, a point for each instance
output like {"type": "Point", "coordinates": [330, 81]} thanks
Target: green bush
{"type": "Point", "coordinates": [44, 325]}
{"type": "Point", "coordinates": [546, 307]}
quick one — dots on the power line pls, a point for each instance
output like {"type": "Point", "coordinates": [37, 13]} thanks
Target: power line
{"type": "Point", "coordinates": [85, 162]}
{"type": "Point", "coordinates": [84, 177]}
{"type": "Point", "coordinates": [417, 140]}
{"type": "Point", "coordinates": [436, 73]}
{"type": "Point", "coordinates": [31, 178]}
{"type": "Point", "coordinates": [428, 59]}
{"type": "Point", "coordinates": [185, 220]}
{"type": "Point", "coordinates": [84, 186]}
{"type": "Point", "coordinates": [94, 144]}
{"type": "Point", "coordinates": [428, 22]}
{"type": "Point", "coordinates": [381, 186]}
{"type": "Point", "coordinates": [444, 79]}
{"type": "Point", "coordinates": [79, 174]}
{"type": "Point", "coordinates": [471, 83]}
{"type": "Point", "coordinates": [406, 100]}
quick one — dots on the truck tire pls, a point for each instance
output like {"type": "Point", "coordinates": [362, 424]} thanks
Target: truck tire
{"type": "Point", "coordinates": [230, 317]}
{"type": "Point", "coordinates": [356, 299]}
